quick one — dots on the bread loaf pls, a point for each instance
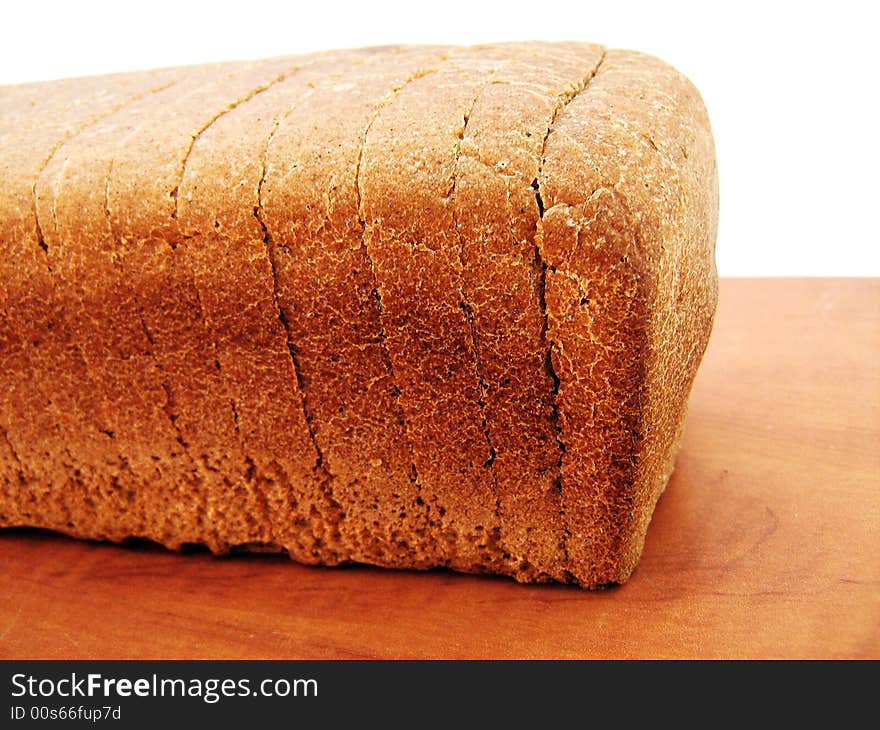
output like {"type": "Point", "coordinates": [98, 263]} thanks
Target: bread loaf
{"type": "Point", "coordinates": [406, 306]}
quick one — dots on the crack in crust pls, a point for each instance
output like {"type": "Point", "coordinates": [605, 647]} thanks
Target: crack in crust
{"type": "Point", "coordinates": [319, 467]}
{"type": "Point", "coordinates": [198, 468]}
{"type": "Point", "coordinates": [228, 108]}
{"type": "Point", "coordinates": [19, 469]}
{"type": "Point", "coordinates": [168, 407]}
{"type": "Point", "coordinates": [562, 102]}
{"type": "Point", "coordinates": [468, 309]}
{"type": "Point", "coordinates": [250, 465]}
{"type": "Point", "coordinates": [386, 358]}
{"type": "Point", "coordinates": [130, 100]}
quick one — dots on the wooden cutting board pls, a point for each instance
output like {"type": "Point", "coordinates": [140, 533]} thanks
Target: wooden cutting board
{"type": "Point", "coordinates": [765, 544]}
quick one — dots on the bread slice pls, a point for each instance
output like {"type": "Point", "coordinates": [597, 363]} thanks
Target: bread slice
{"type": "Point", "coordinates": [151, 265]}
{"type": "Point", "coordinates": [229, 161]}
{"type": "Point", "coordinates": [56, 449]}
{"type": "Point", "coordinates": [326, 290]}
{"type": "Point", "coordinates": [497, 214]}
{"type": "Point", "coordinates": [408, 185]}
{"type": "Point", "coordinates": [629, 190]}
{"type": "Point", "coordinates": [408, 306]}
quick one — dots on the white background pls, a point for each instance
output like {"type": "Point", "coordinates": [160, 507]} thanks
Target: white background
{"type": "Point", "coordinates": [791, 88]}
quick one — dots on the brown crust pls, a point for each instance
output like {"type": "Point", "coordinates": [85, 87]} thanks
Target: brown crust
{"type": "Point", "coordinates": [308, 303]}
{"type": "Point", "coordinates": [253, 344]}
{"type": "Point", "coordinates": [498, 214]}
{"type": "Point", "coordinates": [101, 302]}
{"type": "Point", "coordinates": [56, 475]}
{"type": "Point", "coordinates": [631, 195]}
{"type": "Point", "coordinates": [326, 291]}
{"type": "Point", "coordinates": [408, 192]}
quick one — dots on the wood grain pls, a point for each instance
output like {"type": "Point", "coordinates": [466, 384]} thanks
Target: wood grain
{"type": "Point", "coordinates": [766, 543]}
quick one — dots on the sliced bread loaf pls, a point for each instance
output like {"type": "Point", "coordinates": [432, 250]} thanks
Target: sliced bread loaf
{"type": "Point", "coordinates": [407, 306]}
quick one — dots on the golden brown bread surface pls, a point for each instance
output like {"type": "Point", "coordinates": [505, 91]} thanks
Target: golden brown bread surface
{"type": "Point", "coordinates": [408, 306]}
